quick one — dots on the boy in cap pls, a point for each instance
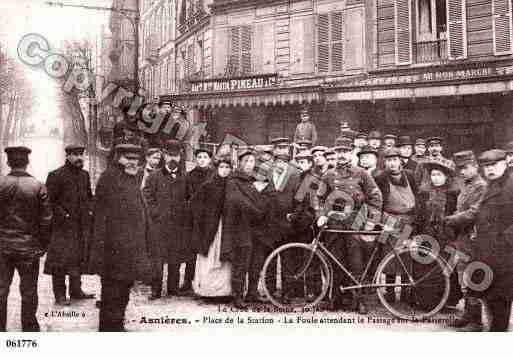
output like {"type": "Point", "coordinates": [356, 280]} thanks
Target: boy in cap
{"type": "Point", "coordinates": [69, 188]}
{"type": "Point", "coordinates": [305, 130]}
{"type": "Point", "coordinates": [469, 200]}
{"type": "Point", "coordinates": [24, 235]}
{"type": "Point", "coordinates": [494, 238]}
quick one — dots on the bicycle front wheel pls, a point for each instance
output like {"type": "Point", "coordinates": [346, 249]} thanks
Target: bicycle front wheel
{"type": "Point", "coordinates": [414, 283]}
{"type": "Point", "coordinates": [294, 276]}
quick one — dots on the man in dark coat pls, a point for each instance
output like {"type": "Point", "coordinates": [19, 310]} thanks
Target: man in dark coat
{"type": "Point", "coordinates": [70, 193]}
{"type": "Point", "coordinates": [469, 200]}
{"type": "Point", "coordinates": [494, 238]}
{"type": "Point", "coordinates": [25, 221]}
{"type": "Point", "coordinates": [119, 246]}
{"type": "Point", "coordinates": [164, 193]}
{"type": "Point", "coordinates": [405, 145]}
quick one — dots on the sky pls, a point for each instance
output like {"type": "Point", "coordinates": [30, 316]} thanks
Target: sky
{"type": "Point", "coordinates": [21, 17]}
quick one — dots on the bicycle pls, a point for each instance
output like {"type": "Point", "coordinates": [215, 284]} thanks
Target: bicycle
{"type": "Point", "coordinates": [306, 283]}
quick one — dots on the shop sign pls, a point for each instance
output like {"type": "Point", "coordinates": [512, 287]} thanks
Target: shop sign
{"type": "Point", "coordinates": [434, 76]}
{"type": "Point", "coordinates": [234, 84]}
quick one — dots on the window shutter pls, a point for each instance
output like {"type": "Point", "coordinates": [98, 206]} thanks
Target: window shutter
{"type": "Point", "coordinates": [403, 29]}
{"type": "Point", "coordinates": [302, 50]}
{"type": "Point", "coordinates": [246, 49]}
{"type": "Point", "coordinates": [336, 56]}
{"type": "Point", "coordinates": [323, 43]}
{"type": "Point", "coordinates": [233, 60]}
{"type": "Point", "coordinates": [456, 29]}
{"type": "Point", "coordinates": [502, 33]}
{"type": "Point", "coordinates": [221, 51]}
{"type": "Point", "coordinates": [190, 60]}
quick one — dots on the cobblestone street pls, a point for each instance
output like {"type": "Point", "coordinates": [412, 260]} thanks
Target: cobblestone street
{"type": "Point", "coordinates": [194, 315]}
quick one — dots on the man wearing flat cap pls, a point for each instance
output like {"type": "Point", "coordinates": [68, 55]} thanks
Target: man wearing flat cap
{"type": "Point", "coordinates": [25, 225]}
{"type": "Point", "coordinates": [119, 251]}
{"type": "Point", "coordinates": [69, 188]}
{"type": "Point", "coordinates": [305, 130]}
{"type": "Point", "coordinates": [469, 200]}
{"type": "Point", "coordinates": [350, 191]}
{"type": "Point", "coordinates": [165, 194]}
{"type": "Point", "coordinates": [494, 240]}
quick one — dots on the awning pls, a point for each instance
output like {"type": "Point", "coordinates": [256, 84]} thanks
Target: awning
{"type": "Point", "coordinates": [243, 99]}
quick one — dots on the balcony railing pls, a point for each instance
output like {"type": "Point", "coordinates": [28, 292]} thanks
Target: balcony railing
{"type": "Point", "coordinates": [431, 51]}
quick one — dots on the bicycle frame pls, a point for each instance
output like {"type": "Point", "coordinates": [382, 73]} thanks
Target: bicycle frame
{"type": "Point", "coordinates": [318, 246]}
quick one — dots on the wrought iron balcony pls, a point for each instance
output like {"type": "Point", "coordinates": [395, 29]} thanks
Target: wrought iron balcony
{"type": "Point", "coordinates": [431, 51]}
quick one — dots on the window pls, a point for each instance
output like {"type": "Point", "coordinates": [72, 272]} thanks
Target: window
{"type": "Point", "coordinates": [330, 45]}
{"type": "Point", "coordinates": [431, 20]}
{"type": "Point", "coordinates": [239, 54]}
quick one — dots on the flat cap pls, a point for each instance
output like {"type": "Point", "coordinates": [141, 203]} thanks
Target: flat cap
{"type": "Point", "coordinates": [420, 141]}
{"type": "Point", "coordinates": [347, 132]}
{"type": "Point", "coordinates": [280, 141]}
{"type": "Point", "coordinates": [404, 141]}
{"type": "Point", "coordinates": [463, 157]}
{"type": "Point", "coordinates": [173, 146]}
{"type": "Point", "coordinates": [391, 152]}
{"type": "Point", "coordinates": [376, 135]}
{"type": "Point", "coordinates": [223, 159]}
{"type": "Point", "coordinates": [245, 152]}
{"type": "Point", "coordinates": [390, 136]}
{"type": "Point", "coordinates": [491, 156]}
{"type": "Point", "coordinates": [322, 149]}
{"type": "Point", "coordinates": [152, 150]}
{"type": "Point", "coordinates": [203, 149]}
{"type": "Point", "coordinates": [434, 140]}
{"type": "Point", "coordinates": [361, 134]}
{"type": "Point", "coordinates": [304, 142]}
{"type": "Point", "coordinates": [343, 143]}
{"type": "Point", "coordinates": [367, 149]}
{"type": "Point", "coordinates": [330, 151]}
{"type": "Point", "coordinates": [304, 155]}
{"type": "Point", "coordinates": [74, 149]}
{"type": "Point", "coordinates": [508, 147]}
{"type": "Point", "coordinates": [17, 151]}
{"type": "Point", "coordinates": [128, 148]}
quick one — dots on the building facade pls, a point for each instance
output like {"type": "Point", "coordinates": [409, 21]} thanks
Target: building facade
{"type": "Point", "coordinates": [412, 67]}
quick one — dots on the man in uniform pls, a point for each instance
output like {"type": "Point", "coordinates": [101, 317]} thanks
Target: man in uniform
{"type": "Point", "coordinates": [306, 129]}
{"type": "Point", "coordinates": [349, 187]}
{"type": "Point", "coordinates": [69, 188]}
{"type": "Point", "coordinates": [331, 157]}
{"type": "Point", "coordinates": [25, 221]}
{"type": "Point", "coordinates": [494, 238]}
{"type": "Point", "coordinates": [119, 248]}
{"type": "Point", "coordinates": [469, 199]}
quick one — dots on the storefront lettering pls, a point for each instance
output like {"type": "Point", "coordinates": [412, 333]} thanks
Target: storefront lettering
{"type": "Point", "coordinates": [427, 77]}
{"type": "Point", "coordinates": [237, 84]}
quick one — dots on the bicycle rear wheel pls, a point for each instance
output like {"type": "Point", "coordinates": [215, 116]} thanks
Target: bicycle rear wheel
{"type": "Point", "coordinates": [294, 276]}
{"type": "Point", "coordinates": [418, 289]}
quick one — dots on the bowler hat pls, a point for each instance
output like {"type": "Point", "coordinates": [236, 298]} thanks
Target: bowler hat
{"type": "Point", "coordinates": [74, 149]}
{"type": "Point", "coordinates": [404, 141]}
{"type": "Point", "coordinates": [491, 156]}
{"type": "Point", "coordinates": [464, 157]}
{"type": "Point", "coordinates": [367, 149]}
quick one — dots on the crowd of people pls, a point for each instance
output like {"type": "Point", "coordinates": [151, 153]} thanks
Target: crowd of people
{"type": "Point", "coordinates": [222, 221]}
